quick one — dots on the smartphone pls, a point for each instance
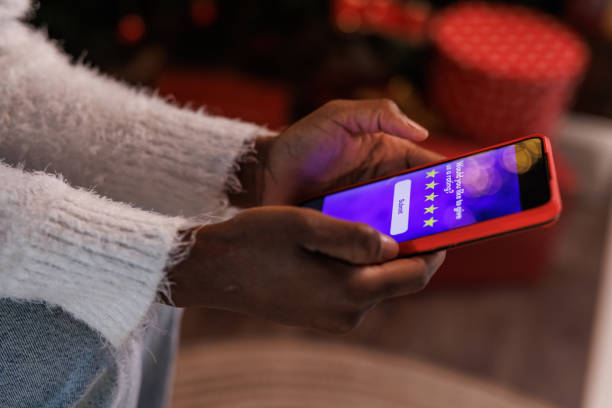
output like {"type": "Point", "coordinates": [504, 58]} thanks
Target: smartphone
{"type": "Point", "coordinates": [493, 191]}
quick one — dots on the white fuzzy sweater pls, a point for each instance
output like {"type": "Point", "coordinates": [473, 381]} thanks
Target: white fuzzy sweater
{"type": "Point", "coordinates": [102, 261]}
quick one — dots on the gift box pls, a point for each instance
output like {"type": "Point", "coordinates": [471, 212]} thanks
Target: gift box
{"type": "Point", "coordinates": [503, 71]}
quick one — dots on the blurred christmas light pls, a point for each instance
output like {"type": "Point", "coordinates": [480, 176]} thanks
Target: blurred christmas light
{"type": "Point", "coordinates": [131, 29]}
{"type": "Point", "coordinates": [203, 12]}
{"type": "Point", "coordinates": [404, 20]}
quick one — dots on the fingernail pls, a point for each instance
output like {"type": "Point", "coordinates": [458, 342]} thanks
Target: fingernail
{"type": "Point", "coordinates": [389, 248]}
{"type": "Point", "coordinates": [421, 131]}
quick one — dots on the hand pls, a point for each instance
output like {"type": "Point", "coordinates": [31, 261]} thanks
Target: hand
{"type": "Point", "coordinates": [296, 266]}
{"type": "Point", "coordinates": [342, 143]}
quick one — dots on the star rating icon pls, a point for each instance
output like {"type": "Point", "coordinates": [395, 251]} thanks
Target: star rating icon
{"type": "Point", "coordinates": [430, 222]}
{"type": "Point", "coordinates": [430, 209]}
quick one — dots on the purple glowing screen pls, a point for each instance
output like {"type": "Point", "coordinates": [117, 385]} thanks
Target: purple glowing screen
{"type": "Point", "coordinates": [435, 199]}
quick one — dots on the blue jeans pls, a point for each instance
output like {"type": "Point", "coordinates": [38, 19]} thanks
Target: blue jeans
{"type": "Point", "coordinates": [48, 359]}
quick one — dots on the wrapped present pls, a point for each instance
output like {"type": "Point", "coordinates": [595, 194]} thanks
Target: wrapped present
{"type": "Point", "coordinates": [503, 71]}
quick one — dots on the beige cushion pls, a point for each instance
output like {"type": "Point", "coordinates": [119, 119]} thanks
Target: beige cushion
{"type": "Point", "coordinates": [298, 373]}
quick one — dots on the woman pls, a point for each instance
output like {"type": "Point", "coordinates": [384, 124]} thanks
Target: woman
{"type": "Point", "coordinates": [83, 276]}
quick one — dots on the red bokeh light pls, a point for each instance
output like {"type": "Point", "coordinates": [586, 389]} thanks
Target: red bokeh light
{"type": "Point", "coordinates": [406, 20]}
{"type": "Point", "coordinates": [131, 29]}
{"type": "Point", "coordinates": [203, 12]}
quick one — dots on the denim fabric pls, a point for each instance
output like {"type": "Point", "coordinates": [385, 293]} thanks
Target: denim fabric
{"type": "Point", "coordinates": [48, 359]}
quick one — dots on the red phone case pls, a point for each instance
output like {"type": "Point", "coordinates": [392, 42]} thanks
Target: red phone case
{"type": "Point", "coordinates": [533, 217]}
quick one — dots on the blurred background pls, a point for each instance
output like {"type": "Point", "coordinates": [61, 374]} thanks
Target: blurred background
{"type": "Point", "coordinates": [517, 321]}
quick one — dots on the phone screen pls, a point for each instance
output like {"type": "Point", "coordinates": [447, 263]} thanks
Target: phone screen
{"type": "Point", "coordinates": [449, 195]}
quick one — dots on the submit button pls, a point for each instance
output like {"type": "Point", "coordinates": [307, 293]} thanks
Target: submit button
{"type": "Point", "coordinates": [401, 204]}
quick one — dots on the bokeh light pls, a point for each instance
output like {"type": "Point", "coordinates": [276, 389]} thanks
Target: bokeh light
{"type": "Point", "coordinates": [131, 29]}
{"type": "Point", "coordinates": [481, 177]}
{"type": "Point", "coordinates": [203, 12]}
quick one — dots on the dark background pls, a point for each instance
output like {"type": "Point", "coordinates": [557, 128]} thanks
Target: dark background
{"type": "Point", "coordinates": [294, 44]}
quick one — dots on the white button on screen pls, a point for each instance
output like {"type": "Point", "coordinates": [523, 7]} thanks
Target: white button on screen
{"type": "Point", "coordinates": [401, 204]}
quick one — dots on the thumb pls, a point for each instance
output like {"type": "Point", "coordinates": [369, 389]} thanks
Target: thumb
{"type": "Point", "coordinates": [352, 242]}
{"type": "Point", "coordinates": [375, 115]}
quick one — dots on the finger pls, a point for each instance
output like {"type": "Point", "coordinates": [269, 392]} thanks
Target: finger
{"type": "Point", "coordinates": [398, 277]}
{"type": "Point", "coordinates": [352, 242]}
{"type": "Point", "coordinates": [417, 156]}
{"type": "Point", "coordinates": [375, 115]}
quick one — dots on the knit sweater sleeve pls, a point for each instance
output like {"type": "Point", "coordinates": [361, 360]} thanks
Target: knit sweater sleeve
{"type": "Point", "coordinates": [101, 261]}
{"type": "Point", "coordinates": [128, 144]}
